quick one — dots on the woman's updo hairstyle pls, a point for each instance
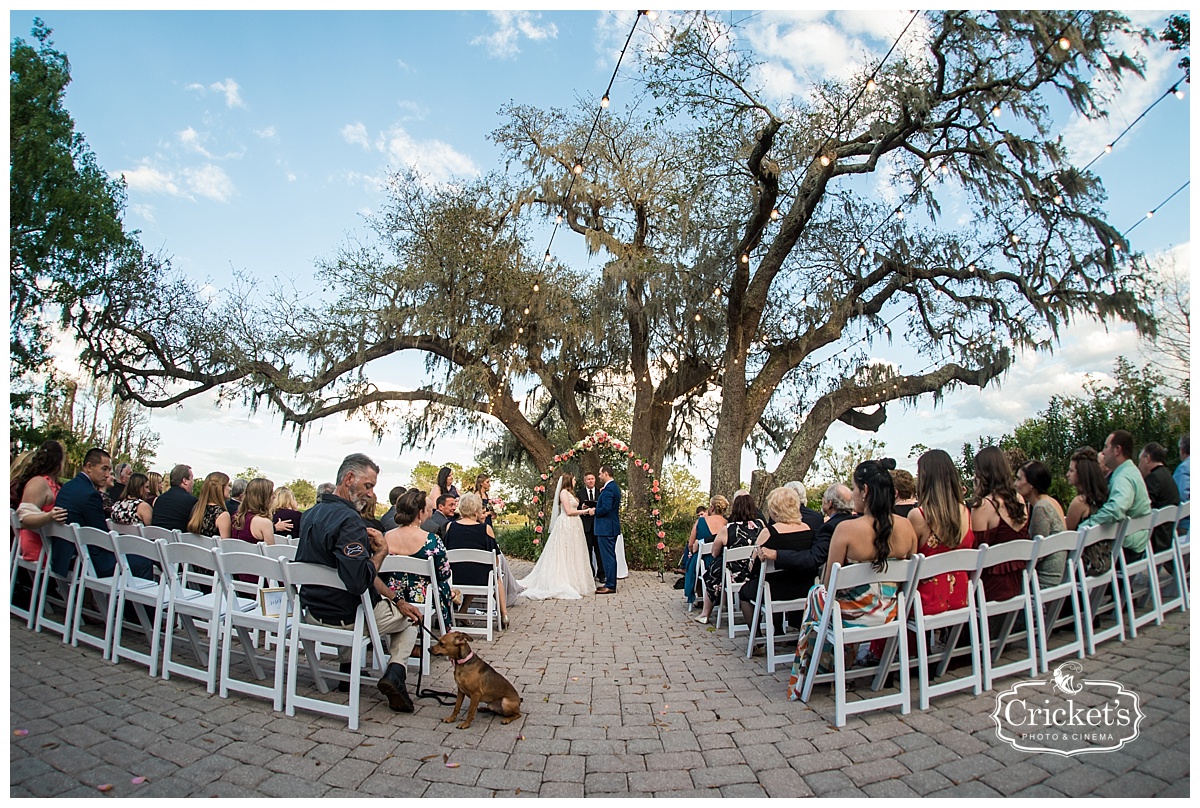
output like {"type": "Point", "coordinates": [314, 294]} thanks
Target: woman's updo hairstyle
{"type": "Point", "coordinates": [409, 506]}
{"type": "Point", "coordinates": [875, 476]}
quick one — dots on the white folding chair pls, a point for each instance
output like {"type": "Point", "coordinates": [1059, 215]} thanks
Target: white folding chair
{"type": "Point", "coordinates": [297, 575]}
{"type": "Point", "coordinates": [1048, 602]}
{"type": "Point", "coordinates": [1142, 565]}
{"type": "Point", "coordinates": [142, 594]}
{"type": "Point", "coordinates": [200, 540]}
{"type": "Point", "coordinates": [729, 600]}
{"type": "Point", "coordinates": [703, 548]}
{"type": "Point", "coordinates": [35, 569]}
{"type": "Point", "coordinates": [1165, 563]}
{"type": "Point", "coordinates": [488, 591]}
{"type": "Point", "coordinates": [188, 605]}
{"type": "Point", "coordinates": [970, 563]}
{"type": "Point", "coordinates": [766, 606]}
{"type": "Point", "coordinates": [431, 605]}
{"type": "Point", "coordinates": [285, 552]}
{"type": "Point", "coordinates": [1183, 549]}
{"type": "Point", "coordinates": [103, 588]}
{"type": "Point", "coordinates": [124, 530]}
{"type": "Point", "coordinates": [830, 628]}
{"type": "Point", "coordinates": [237, 546]}
{"type": "Point", "coordinates": [66, 586]}
{"type": "Point", "coordinates": [1093, 588]}
{"type": "Point", "coordinates": [246, 625]}
{"type": "Point", "coordinates": [155, 533]}
{"type": "Point", "coordinates": [1006, 611]}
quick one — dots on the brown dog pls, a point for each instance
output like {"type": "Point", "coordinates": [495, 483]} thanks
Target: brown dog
{"type": "Point", "coordinates": [477, 680]}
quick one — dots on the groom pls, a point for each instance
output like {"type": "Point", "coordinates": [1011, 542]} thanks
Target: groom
{"type": "Point", "coordinates": [608, 527]}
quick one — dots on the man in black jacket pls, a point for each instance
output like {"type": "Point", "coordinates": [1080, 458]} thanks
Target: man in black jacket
{"type": "Point", "coordinates": [1161, 488]}
{"type": "Point", "coordinates": [587, 499]}
{"type": "Point", "coordinates": [333, 534]}
{"type": "Point", "coordinates": [173, 508]}
{"type": "Point", "coordinates": [838, 506]}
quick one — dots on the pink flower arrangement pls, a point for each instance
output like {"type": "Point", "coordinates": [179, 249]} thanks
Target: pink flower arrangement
{"type": "Point", "coordinates": [538, 529]}
{"type": "Point", "coordinates": [536, 542]}
{"type": "Point", "coordinates": [661, 546]}
{"type": "Point", "coordinates": [544, 477]}
{"type": "Point", "coordinates": [654, 512]}
{"type": "Point", "coordinates": [541, 514]}
{"type": "Point", "coordinates": [637, 463]}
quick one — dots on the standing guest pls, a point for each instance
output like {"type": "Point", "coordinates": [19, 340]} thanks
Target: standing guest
{"type": "Point", "coordinates": [173, 508]}
{"type": "Point", "coordinates": [812, 518]}
{"type": "Point", "coordinates": [997, 516]}
{"type": "Point", "coordinates": [389, 517]}
{"type": "Point", "coordinates": [81, 499]}
{"type": "Point", "coordinates": [942, 523]}
{"type": "Point", "coordinates": [1046, 518]}
{"type": "Point", "coordinates": [1183, 477]}
{"type": "Point", "coordinates": [153, 486]}
{"type": "Point", "coordinates": [741, 530]}
{"type": "Point", "coordinates": [906, 492]}
{"type": "Point", "coordinates": [252, 522]}
{"type": "Point", "coordinates": [470, 533]}
{"type": "Point", "coordinates": [444, 485]}
{"type": "Point", "coordinates": [333, 535]}
{"type": "Point", "coordinates": [704, 530]}
{"type": "Point", "coordinates": [785, 531]}
{"type": "Point", "coordinates": [1127, 494]}
{"type": "Point", "coordinates": [121, 477]}
{"type": "Point", "coordinates": [408, 538]}
{"type": "Point", "coordinates": [233, 498]}
{"type": "Point", "coordinates": [436, 524]}
{"type": "Point", "coordinates": [1160, 487]}
{"type": "Point", "coordinates": [586, 495]}
{"type": "Point", "coordinates": [483, 488]}
{"type": "Point", "coordinates": [285, 512]}
{"type": "Point", "coordinates": [133, 509]}
{"type": "Point", "coordinates": [35, 488]}
{"type": "Point", "coordinates": [209, 516]}
{"type": "Point", "coordinates": [877, 537]}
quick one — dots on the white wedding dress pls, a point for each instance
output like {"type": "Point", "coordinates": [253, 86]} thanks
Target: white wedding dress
{"type": "Point", "coordinates": [563, 570]}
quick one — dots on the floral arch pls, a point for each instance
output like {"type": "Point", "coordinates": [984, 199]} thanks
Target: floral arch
{"type": "Point", "coordinates": [596, 440]}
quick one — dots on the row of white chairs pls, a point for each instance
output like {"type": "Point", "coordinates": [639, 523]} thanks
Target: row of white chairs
{"type": "Point", "coordinates": [1075, 604]}
{"type": "Point", "coordinates": [198, 599]}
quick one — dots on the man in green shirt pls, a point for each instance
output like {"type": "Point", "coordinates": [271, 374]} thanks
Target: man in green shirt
{"type": "Point", "coordinates": [1127, 496]}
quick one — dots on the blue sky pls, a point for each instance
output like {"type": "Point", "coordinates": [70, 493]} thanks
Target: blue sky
{"type": "Point", "coordinates": [256, 141]}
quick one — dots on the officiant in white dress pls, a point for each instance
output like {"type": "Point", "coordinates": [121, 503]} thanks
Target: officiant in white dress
{"type": "Point", "coordinates": [563, 571]}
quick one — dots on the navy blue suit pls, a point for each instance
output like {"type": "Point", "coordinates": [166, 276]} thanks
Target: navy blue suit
{"type": "Point", "coordinates": [85, 507]}
{"type": "Point", "coordinates": [608, 527]}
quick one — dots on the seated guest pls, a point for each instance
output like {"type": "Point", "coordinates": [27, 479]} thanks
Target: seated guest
{"type": "Point", "coordinates": [389, 517]}
{"type": "Point", "coordinates": [234, 496]}
{"type": "Point", "coordinates": [741, 530]}
{"type": "Point", "coordinates": [285, 512]}
{"type": "Point", "coordinates": [1046, 518]}
{"type": "Point", "coordinates": [173, 508]}
{"type": "Point", "coordinates": [705, 529]}
{"type": "Point", "coordinates": [34, 487]}
{"type": "Point", "coordinates": [447, 504]}
{"type": "Point", "coordinates": [153, 486]}
{"type": "Point", "coordinates": [1161, 488]}
{"type": "Point", "coordinates": [470, 533]}
{"type": "Point", "coordinates": [998, 516]}
{"type": "Point", "coordinates": [133, 509]}
{"type": "Point", "coordinates": [838, 506]}
{"type": "Point", "coordinates": [121, 478]}
{"type": "Point", "coordinates": [1127, 495]}
{"type": "Point", "coordinates": [252, 522]}
{"type": "Point", "coordinates": [686, 557]}
{"type": "Point", "coordinates": [81, 499]}
{"type": "Point", "coordinates": [1086, 475]}
{"type": "Point", "coordinates": [942, 523]}
{"type": "Point", "coordinates": [906, 491]}
{"type": "Point", "coordinates": [209, 516]}
{"type": "Point", "coordinates": [877, 537]}
{"type": "Point", "coordinates": [787, 531]}
{"type": "Point", "coordinates": [812, 518]}
{"type": "Point", "coordinates": [1183, 478]}
{"type": "Point", "coordinates": [325, 488]}
{"type": "Point", "coordinates": [408, 539]}
{"type": "Point", "coordinates": [369, 506]}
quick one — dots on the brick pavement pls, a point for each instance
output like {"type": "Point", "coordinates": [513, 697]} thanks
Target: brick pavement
{"type": "Point", "coordinates": [623, 695]}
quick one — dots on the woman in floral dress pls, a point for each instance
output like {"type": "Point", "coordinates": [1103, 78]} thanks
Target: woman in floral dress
{"type": "Point", "coordinates": [408, 539]}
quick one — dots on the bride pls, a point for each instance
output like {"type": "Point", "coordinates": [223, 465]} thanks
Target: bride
{"type": "Point", "coordinates": [563, 571]}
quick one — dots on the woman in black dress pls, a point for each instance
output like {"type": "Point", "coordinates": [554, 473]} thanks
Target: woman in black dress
{"type": "Point", "coordinates": [470, 533]}
{"type": "Point", "coordinates": [788, 532]}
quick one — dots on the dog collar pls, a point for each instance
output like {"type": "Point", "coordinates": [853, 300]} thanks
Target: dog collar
{"type": "Point", "coordinates": [465, 659]}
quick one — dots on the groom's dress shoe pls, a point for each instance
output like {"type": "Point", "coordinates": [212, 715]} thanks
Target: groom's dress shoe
{"type": "Point", "coordinates": [604, 590]}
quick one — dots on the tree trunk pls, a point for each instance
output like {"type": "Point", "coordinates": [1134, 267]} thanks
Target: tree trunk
{"type": "Point", "coordinates": [648, 440]}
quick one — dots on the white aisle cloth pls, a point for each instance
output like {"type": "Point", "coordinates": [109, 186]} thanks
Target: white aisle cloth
{"type": "Point", "coordinates": [622, 567]}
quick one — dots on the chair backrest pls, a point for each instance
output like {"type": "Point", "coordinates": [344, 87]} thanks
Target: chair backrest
{"type": "Point", "coordinates": [151, 532]}
{"type": "Point", "coordinates": [283, 551]}
{"type": "Point", "coordinates": [299, 573]}
{"type": "Point", "coordinates": [283, 538]}
{"type": "Point", "coordinates": [858, 574]}
{"type": "Point", "coordinates": [471, 557]}
{"type": "Point", "coordinates": [178, 556]}
{"type": "Point", "coordinates": [94, 537]}
{"type": "Point", "coordinates": [1165, 515]}
{"type": "Point", "coordinates": [742, 553]}
{"type": "Point", "coordinates": [1068, 540]}
{"type": "Point", "coordinates": [237, 546]}
{"type": "Point", "coordinates": [127, 544]}
{"type": "Point", "coordinates": [962, 560]}
{"type": "Point", "coordinates": [197, 540]}
{"type": "Point", "coordinates": [231, 564]}
{"type": "Point", "coordinates": [417, 566]}
{"type": "Point", "coordinates": [59, 530]}
{"type": "Point", "coordinates": [1185, 510]}
{"type": "Point", "coordinates": [14, 522]}
{"type": "Point", "coordinates": [1136, 523]}
{"type": "Point", "coordinates": [1098, 533]}
{"type": "Point", "coordinates": [1016, 550]}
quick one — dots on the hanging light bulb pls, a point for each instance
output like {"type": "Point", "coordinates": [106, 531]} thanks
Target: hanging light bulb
{"type": "Point", "coordinates": [535, 286]}
{"type": "Point", "coordinates": [1177, 92]}
{"type": "Point", "coordinates": [1064, 43]}
{"type": "Point", "coordinates": [871, 85]}
{"type": "Point", "coordinates": [1117, 247]}
{"type": "Point", "coordinates": [971, 268]}
{"type": "Point", "coordinates": [824, 159]}
{"type": "Point", "coordinates": [1015, 238]}
{"type": "Point", "coordinates": [862, 250]}
{"type": "Point", "coordinates": [745, 258]}
{"type": "Point", "coordinates": [717, 292]}
{"type": "Point", "coordinates": [899, 213]}
{"type": "Point", "coordinates": [604, 102]}
{"type": "Point", "coordinates": [1108, 149]}
{"type": "Point", "coordinates": [578, 169]}
{"type": "Point", "coordinates": [521, 330]}
{"type": "Point", "coordinates": [547, 258]}
{"type": "Point", "coordinates": [651, 15]}
{"type": "Point", "coordinates": [697, 316]}
{"type": "Point", "coordinates": [774, 213]}
{"type": "Point", "coordinates": [526, 309]}
{"type": "Point", "coordinates": [558, 219]}
{"type": "Point", "coordinates": [1149, 214]}
{"type": "Point", "coordinates": [996, 111]}
{"type": "Point", "coordinates": [1058, 200]}
{"type": "Point", "coordinates": [945, 168]}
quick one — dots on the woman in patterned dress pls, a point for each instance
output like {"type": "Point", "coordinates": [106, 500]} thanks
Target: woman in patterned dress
{"type": "Point", "coordinates": [409, 540]}
{"type": "Point", "coordinates": [132, 508]}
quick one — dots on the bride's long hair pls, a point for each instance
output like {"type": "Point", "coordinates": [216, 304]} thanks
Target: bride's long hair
{"type": "Point", "coordinates": [568, 482]}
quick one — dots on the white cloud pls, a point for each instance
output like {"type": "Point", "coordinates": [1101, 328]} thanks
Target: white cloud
{"type": "Point", "coordinates": [356, 133]}
{"type": "Point", "coordinates": [230, 87]}
{"type": "Point", "coordinates": [191, 139]}
{"type": "Point", "coordinates": [403, 65]}
{"type": "Point", "coordinates": [291, 176]}
{"type": "Point", "coordinates": [434, 159]}
{"type": "Point", "coordinates": [413, 110]}
{"type": "Point", "coordinates": [144, 211]}
{"type": "Point", "coordinates": [266, 133]}
{"type": "Point", "coordinates": [510, 27]}
{"type": "Point", "coordinates": [210, 181]}
{"type": "Point", "coordinates": [151, 180]}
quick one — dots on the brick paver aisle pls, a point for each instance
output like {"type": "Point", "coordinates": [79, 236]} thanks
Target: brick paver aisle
{"type": "Point", "coordinates": [623, 695]}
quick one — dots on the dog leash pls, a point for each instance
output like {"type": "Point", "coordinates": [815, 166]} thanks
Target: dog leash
{"type": "Point", "coordinates": [440, 696]}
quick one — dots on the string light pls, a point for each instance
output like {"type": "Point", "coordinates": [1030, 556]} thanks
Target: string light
{"type": "Point", "coordinates": [1149, 214]}
{"type": "Point", "coordinates": [824, 159]}
{"type": "Point", "coordinates": [745, 258]}
{"type": "Point", "coordinates": [774, 213]}
{"type": "Point", "coordinates": [650, 15]}
{"type": "Point", "coordinates": [1108, 149]}
{"type": "Point", "coordinates": [899, 213]}
{"type": "Point", "coordinates": [871, 85]}
{"type": "Point", "coordinates": [547, 260]}
{"type": "Point", "coordinates": [1058, 200]}
{"type": "Point", "coordinates": [536, 287]}
{"type": "Point", "coordinates": [697, 316]}
{"type": "Point", "coordinates": [558, 219]}
{"type": "Point", "coordinates": [862, 250]}
{"type": "Point", "coordinates": [996, 111]}
{"type": "Point", "coordinates": [578, 169]}
{"type": "Point", "coordinates": [1178, 93]}
{"type": "Point", "coordinates": [604, 102]}
{"type": "Point", "coordinates": [527, 310]}
{"type": "Point", "coordinates": [1064, 43]}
